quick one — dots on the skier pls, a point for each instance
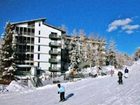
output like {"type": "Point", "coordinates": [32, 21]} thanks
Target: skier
{"type": "Point", "coordinates": [120, 74]}
{"type": "Point", "coordinates": [61, 91]}
{"type": "Point", "coordinates": [112, 72]}
{"type": "Point", "coordinates": [126, 71]}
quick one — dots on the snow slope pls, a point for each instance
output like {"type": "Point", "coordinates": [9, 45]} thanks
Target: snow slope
{"type": "Point", "coordinates": [91, 91]}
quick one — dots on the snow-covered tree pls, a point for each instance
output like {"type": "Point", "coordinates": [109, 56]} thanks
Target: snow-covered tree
{"type": "Point", "coordinates": [123, 59]}
{"type": "Point", "coordinates": [111, 53]}
{"type": "Point", "coordinates": [137, 54]}
{"type": "Point", "coordinates": [7, 52]}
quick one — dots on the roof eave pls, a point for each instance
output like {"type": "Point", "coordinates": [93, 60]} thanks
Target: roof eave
{"type": "Point", "coordinates": [55, 27]}
{"type": "Point", "coordinates": [34, 20]}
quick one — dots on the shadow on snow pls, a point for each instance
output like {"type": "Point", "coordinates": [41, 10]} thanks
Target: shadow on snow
{"type": "Point", "coordinates": [69, 95]}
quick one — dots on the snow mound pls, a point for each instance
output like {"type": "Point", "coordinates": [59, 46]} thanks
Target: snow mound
{"type": "Point", "coordinates": [15, 86]}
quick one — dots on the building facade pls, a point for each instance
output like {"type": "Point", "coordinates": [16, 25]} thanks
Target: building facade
{"type": "Point", "coordinates": [32, 43]}
{"type": "Point", "coordinates": [35, 43]}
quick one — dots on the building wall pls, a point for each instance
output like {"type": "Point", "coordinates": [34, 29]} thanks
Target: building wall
{"type": "Point", "coordinates": [22, 25]}
{"type": "Point", "coordinates": [42, 33]}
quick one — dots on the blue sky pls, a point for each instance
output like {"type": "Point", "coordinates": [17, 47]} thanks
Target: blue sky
{"type": "Point", "coordinates": [118, 20]}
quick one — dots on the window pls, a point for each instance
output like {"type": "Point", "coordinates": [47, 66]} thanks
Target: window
{"type": "Point", "coordinates": [38, 47]}
{"type": "Point", "coordinates": [39, 40]}
{"type": "Point", "coordinates": [38, 64]}
{"type": "Point", "coordinates": [33, 31]}
{"type": "Point", "coordinates": [54, 33]}
{"type": "Point", "coordinates": [39, 33]}
{"type": "Point", "coordinates": [17, 29]}
{"type": "Point", "coordinates": [29, 31]}
{"type": "Point", "coordinates": [54, 66]}
{"type": "Point", "coordinates": [32, 48]}
{"type": "Point", "coordinates": [32, 40]}
{"type": "Point", "coordinates": [31, 24]}
{"type": "Point", "coordinates": [21, 30]}
{"type": "Point", "coordinates": [25, 30]}
{"type": "Point", "coordinates": [38, 56]}
{"type": "Point", "coordinates": [32, 57]}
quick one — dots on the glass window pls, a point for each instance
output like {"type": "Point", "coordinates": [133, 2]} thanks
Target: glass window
{"type": "Point", "coordinates": [33, 30]}
{"type": "Point", "coordinates": [38, 56]}
{"type": "Point", "coordinates": [39, 40]}
{"type": "Point", "coordinates": [38, 64]}
{"type": "Point", "coordinates": [39, 24]}
{"type": "Point", "coordinates": [25, 30]}
{"type": "Point", "coordinates": [39, 48]}
{"type": "Point", "coordinates": [21, 30]}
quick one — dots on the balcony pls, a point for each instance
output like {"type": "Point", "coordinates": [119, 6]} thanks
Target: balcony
{"type": "Point", "coordinates": [54, 44]}
{"type": "Point", "coordinates": [54, 52]}
{"type": "Point", "coordinates": [54, 37]}
{"type": "Point", "coordinates": [22, 73]}
{"type": "Point", "coordinates": [54, 69]}
{"type": "Point", "coordinates": [54, 60]}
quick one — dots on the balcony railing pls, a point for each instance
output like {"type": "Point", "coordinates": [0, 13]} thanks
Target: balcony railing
{"type": "Point", "coordinates": [22, 73]}
{"type": "Point", "coordinates": [53, 60]}
{"type": "Point", "coordinates": [54, 44]}
{"type": "Point", "coordinates": [54, 37]}
{"type": "Point", "coordinates": [54, 69]}
{"type": "Point", "coordinates": [54, 52]}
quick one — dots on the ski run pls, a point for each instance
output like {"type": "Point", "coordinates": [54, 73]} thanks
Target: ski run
{"type": "Point", "coordinates": [90, 91]}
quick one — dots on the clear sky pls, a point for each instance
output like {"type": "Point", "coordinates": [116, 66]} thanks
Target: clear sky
{"type": "Point", "coordinates": [118, 20]}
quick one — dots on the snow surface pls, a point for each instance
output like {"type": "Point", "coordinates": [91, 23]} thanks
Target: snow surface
{"type": "Point", "coordinates": [90, 91]}
{"type": "Point", "coordinates": [15, 86]}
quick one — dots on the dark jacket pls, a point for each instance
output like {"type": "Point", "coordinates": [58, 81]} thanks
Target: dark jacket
{"type": "Point", "coordinates": [120, 74]}
{"type": "Point", "coordinates": [126, 70]}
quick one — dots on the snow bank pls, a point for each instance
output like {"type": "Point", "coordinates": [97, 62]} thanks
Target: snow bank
{"type": "Point", "coordinates": [15, 87]}
{"type": "Point", "coordinates": [95, 70]}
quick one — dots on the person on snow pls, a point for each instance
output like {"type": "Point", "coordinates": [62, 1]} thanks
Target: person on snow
{"type": "Point", "coordinates": [112, 72]}
{"type": "Point", "coordinates": [61, 91]}
{"type": "Point", "coordinates": [126, 71]}
{"type": "Point", "coordinates": [120, 74]}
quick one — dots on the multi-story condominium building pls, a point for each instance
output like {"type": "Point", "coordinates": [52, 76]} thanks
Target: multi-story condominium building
{"type": "Point", "coordinates": [32, 43]}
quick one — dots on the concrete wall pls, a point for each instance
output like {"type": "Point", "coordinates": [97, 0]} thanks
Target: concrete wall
{"type": "Point", "coordinates": [44, 33]}
{"type": "Point", "coordinates": [22, 25]}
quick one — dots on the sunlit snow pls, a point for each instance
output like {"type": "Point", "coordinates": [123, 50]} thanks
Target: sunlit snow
{"type": "Point", "coordinates": [90, 91]}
